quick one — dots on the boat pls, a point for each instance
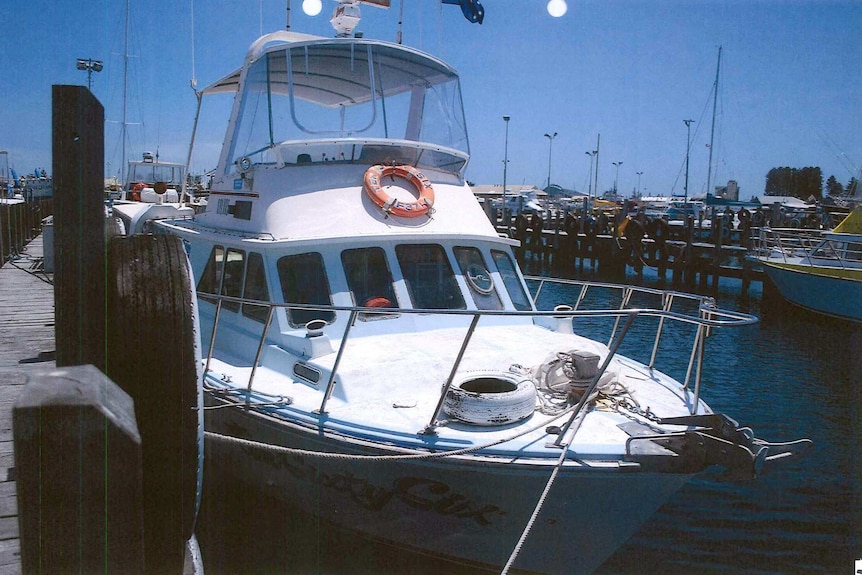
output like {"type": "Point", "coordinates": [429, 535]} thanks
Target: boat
{"type": "Point", "coordinates": [678, 210]}
{"type": "Point", "coordinates": [36, 186]}
{"type": "Point", "coordinates": [31, 187]}
{"type": "Point", "coordinates": [149, 179]}
{"type": "Point", "coordinates": [524, 201]}
{"type": "Point", "coordinates": [819, 270]}
{"type": "Point", "coordinates": [371, 352]}
{"type": "Point", "coordinates": [153, 181]}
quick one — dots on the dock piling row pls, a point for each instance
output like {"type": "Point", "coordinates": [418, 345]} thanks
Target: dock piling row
{"type": "Point", "coordinates": [692, 250]}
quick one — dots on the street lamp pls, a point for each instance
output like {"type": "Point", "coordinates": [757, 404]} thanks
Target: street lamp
{"type": "Point", "coordinates": [688, 124]}
{"type": "Point", "coordinates": [639, 183]}
{"type": "Point", "coordinates": [506, 165]}
{"type": "Point", "coordinates": [616, 174]}
{"type": "Point", "coordinates": [550, 147]}
{"type": "Point", "coordinates": [90, 66]}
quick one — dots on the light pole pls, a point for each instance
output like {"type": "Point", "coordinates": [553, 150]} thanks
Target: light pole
{"type": "Point", "coordinates": [506, 165]}
{"type": "Point", "coordinates": [616, 174]}
{"type": "Point", "coordinates": [596, 181]}
{"type": "Point", "coordinates": [550, 147]}
{"type": "Point", "coordinates": [688, 124]}
{"type": "Point", "coordinates": [591, 154]}
{"type": "Point", "coordinates": [639, 183]}
{"type": "Point", "coordinates": [90, 66]}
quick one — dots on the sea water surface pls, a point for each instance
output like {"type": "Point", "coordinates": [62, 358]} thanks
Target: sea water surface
{"type": "Point", "coordinates": [792, 375]}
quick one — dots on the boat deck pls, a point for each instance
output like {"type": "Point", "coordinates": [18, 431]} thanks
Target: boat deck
{"type": "Point", "coordinates": [26, 344]}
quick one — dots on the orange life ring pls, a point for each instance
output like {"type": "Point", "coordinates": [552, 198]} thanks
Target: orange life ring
{"type": "Point", "coordinates": [136, 191]}
{"type": "Point", "coordinates": [374, 188]}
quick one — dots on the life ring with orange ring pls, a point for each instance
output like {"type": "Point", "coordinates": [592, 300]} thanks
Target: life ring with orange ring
{"type": "Point", "coordinates": [374, 188]}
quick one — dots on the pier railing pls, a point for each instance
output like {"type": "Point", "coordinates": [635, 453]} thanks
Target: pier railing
{"type": "Point", "coordinates": [679, 307]}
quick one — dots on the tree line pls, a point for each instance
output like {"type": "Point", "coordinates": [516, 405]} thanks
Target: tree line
{"type": "Point", "coordinates": [805, 183]}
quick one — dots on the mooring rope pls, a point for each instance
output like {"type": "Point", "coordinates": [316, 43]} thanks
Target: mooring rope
{"type": "Point", "coordinates": [539, 504]}
{"type": "Point", "coordinates": [422, 456]}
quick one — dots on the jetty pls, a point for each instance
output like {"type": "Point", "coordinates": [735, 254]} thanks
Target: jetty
{"type": "Point", "coordinates": [26, 345]}
{"type": "Point", "coordinates": [60, 485]}
{"type": "Point", "coordinates": [696, 252]}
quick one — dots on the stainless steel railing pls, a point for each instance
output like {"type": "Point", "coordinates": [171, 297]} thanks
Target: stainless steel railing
{"type": "Point", "coordinates": [696, 310]}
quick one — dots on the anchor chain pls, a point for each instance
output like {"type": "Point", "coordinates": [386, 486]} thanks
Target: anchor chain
{"type": "Point", "coordinates": [633, 407]}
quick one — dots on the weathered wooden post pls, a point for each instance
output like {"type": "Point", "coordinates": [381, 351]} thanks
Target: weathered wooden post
{"type": "Point", "coordinates": [718, 227]}
{"type": "Point", "coordinates": [79, 239]}
{"type": "Point", "coordinates": [3, 242]}
{"type": "Point", "coordinates": [745, 238]}
{"type": "Point", "coordinates": [79, 475]}
{"type": "Point", "coordinates": [689, 258]}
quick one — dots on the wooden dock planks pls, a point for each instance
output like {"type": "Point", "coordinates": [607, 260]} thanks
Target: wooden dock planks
{"type": "Point", "coordinates": [26, 344]}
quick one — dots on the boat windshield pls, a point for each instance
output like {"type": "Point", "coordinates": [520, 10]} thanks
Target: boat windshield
{"type": "Point", "coordinates": [152, 172]}
{"type": "Point", "coordinates": [358, 91]}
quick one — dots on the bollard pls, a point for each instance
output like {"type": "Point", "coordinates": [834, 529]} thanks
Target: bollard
{"type": "Point", "coordinates": [79, 476]}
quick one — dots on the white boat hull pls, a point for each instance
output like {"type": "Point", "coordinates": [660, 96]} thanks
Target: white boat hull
{"type": "Point", "coordinates": [463, 510]}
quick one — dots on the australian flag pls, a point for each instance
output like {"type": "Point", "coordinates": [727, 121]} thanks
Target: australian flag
{"type": "Point", "coordinates": [472, 9]}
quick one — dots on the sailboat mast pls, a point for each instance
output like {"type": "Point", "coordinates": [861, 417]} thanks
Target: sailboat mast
{"type": "Point", "coordinates": [125, 99]}
{"type": "Point", "coordinates": [712, 131]}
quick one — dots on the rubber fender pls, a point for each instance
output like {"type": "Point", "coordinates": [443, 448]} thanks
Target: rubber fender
{"type": "Point", "coordinates": [491, 398]}
{"type": "Point", "coordinates": [154, 355]}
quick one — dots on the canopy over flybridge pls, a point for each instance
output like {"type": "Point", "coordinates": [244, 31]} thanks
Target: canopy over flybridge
{"type": "Point", "coordinates": [397, 68]}
{"type": "Point", "coordinates": [296, 91]}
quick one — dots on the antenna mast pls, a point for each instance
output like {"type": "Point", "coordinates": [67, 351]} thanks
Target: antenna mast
{"type": "Point", "coordinates": [712, 131]}
{"type": "Point", "coordinates": [125, 99]}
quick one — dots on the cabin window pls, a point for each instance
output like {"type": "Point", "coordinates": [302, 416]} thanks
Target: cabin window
{"type": "Point", "coordinates": [303, 280]}
{"type": "Point", "coordinates": [369, 278]}
{"type": "Point", "coordinates": [478, 278]}
{"type": "Point", "coordinates": [211, 278]}
{"type": "Point", "coordinates": [331, 88]}
{"type": "Point", "coordinates": [255, 288]}
{"type": "Point", "coordinates": [231, 285]}
{"type": "Point", "coordinates": [429, 277]}
{"type": "Point", "coordinates": [511, 281]}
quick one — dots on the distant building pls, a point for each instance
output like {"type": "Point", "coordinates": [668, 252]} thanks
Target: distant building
{"type": "Point", "coordinates": [728, 192]}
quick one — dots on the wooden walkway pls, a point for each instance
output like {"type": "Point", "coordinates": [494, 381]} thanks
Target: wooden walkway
{"type": "Point", "coordinates": [26, 344]}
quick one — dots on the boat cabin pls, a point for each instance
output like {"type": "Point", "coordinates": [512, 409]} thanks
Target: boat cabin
{"type": "Point", "coordinates": [291, 218]}
{"type": "Point", "coordinates": [150, 180]}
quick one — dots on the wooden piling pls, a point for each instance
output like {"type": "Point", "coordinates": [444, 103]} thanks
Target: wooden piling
{"type": "Point", "coordinates": [718, 224]}
{"type": "Point", "coordinates": [745, 239]}
{"type": "Point", "coordinates": [79, 475]}
{"type": "Point", "coordinates": [79, 239]}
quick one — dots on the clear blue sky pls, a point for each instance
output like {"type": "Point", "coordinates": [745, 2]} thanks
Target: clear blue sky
{"type": "Point", "coordinates": [790, 91]}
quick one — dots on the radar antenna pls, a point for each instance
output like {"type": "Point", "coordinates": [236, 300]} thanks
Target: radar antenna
{"type": "Point", "coordinates": [346, 16]}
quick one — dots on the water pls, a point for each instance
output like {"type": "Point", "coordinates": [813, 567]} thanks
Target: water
{"type": "Point", "coordinates": [795, 374]}
{"type": "Point", "coordinates": [792, 375]}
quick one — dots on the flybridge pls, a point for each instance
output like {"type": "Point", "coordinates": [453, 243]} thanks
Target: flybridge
{"type": "Point", "coordinates": [304, 100]}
